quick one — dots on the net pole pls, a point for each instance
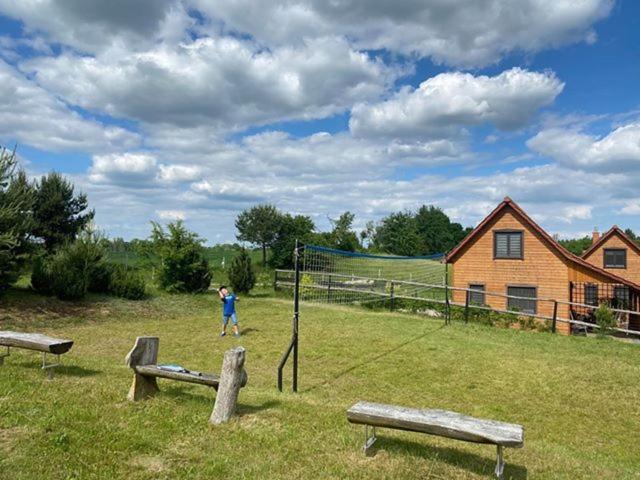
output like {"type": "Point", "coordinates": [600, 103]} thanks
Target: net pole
{"type": "Point", "coordinates": [296, 316]}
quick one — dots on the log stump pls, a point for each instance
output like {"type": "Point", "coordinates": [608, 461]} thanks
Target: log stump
{"type": "Point", "coordinates": [232, 378]}
{"type": "Point", "coordinates": [144, 352]}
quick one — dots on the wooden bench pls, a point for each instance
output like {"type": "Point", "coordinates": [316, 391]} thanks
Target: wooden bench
{"type": "Point", "coordinates": [36, 342]}
{"type": "Point", "coordinates": [436, 422]}
{"type": "Point", "coordinates": [143, 360]}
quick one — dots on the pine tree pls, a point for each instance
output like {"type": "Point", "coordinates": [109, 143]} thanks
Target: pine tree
{"type": "Point", "coordinates": [16, 201]}
{"type": "Point", "coordinates": [241, 275]}
{"type": "Point", "coordinates": [59, 215]}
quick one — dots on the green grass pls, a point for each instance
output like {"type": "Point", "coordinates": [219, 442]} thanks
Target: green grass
{"type": "Point", "coordinates": [578, 398]}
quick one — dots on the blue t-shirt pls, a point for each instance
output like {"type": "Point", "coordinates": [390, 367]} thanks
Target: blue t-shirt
{"type": "Point", "coordinates": [229, 304]}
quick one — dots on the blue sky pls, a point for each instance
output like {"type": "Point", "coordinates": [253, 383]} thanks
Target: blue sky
{"type": "Point", "coordinates": [193, 109]}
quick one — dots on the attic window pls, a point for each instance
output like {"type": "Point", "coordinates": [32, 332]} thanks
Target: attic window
{"type": "Point", "coordinates": [508, 244]}
{"type": "Point", "coordinates": [615, 258]}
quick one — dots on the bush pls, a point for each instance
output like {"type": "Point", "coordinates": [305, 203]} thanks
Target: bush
{"type": "Point", "coordinates": [41, 279]}
{"type": "Point", "coordinates": [100, 277]}
{"type": "Point", "coordinates": [69, 273]}
{"type": "Point", "coordinates": [183, 267]}
{"type": "Point", "coordinates": [126, 283]}
{"type": "Point", "coordinates": [73, 270]}
{"type": "Point", "coordinates": [241, 275]}
{"type": "Point", "coordinates": [605, 319]}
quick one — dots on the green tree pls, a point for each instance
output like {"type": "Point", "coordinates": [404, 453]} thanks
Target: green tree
{"type": "Point", "coordinates": [342, 236]}
{"type": "Point", "coordinates": [291, 229]}
{"type": "Point", "coordinates": [241, 274]}
{"type": "Point", "coordinates": [16, 203]}
{"type": "Point", "coordinates": [59, 215]}
{"type": "Point", "coordinates": [183, 267]}
{"type": "Point", "coordinates": [437, 231]}
{"type": "Point", "coordinates": [577, 246]}
{"type": "Point", "coordinates": [632, 235]}
{"type": "Point", "coordinates": [398, 234]}
{"type": "Point", "coordinates": [259, 226]}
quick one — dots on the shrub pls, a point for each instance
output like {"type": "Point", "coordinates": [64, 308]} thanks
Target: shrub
{"type": "Point", "coordinates": [605, 319]}
{"type": "Point", "coordinates": [73, 270]}
{"type": "Point", "coordinates": [183, 267]}
{"type": "Point", "coordinates": [126, 283]}
{"type": "Point", "coordinates": [241, 275]}
{"type": "Point", "coordinates": [100, 277]}
{"type": "Point", "coordinates": [41, 280]}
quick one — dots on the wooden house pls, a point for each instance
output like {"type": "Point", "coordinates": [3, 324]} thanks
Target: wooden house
{"type": "Point", "coordinates": [510, 254]}
{"type": "Point", "coordinates": [615, 252]}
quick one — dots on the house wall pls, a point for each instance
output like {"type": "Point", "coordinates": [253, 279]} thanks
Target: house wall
{"type": "Point", "coordinates": [541, 267]}
{"type": "Point", "coordinates": [631, 273]}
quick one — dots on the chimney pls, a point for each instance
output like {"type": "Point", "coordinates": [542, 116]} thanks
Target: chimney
{"type": "Point", "coordinates": [596, 235]}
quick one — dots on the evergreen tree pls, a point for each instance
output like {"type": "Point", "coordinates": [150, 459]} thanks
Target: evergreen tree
{"type": "Point", "coordinates": [241, 275]}
{"type": "Point", "coordinates": [16, 203]}
{"type": "Point", "coordinates": [259, 225]}
{"type": "Point", "coordinates": [183, 267]}
{"type": "Point", "coordinates": [59, 215]}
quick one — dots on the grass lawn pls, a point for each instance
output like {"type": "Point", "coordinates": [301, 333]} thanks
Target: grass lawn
{"type": "Point", "coordinates": [579, 398]}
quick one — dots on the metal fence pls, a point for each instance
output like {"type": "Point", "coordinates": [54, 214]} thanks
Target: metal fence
{"type": "Point", "coordinates": [335, 288]}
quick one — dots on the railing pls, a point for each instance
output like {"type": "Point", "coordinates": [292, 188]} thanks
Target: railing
{"type": "Point", "coordinates": [392, 292]}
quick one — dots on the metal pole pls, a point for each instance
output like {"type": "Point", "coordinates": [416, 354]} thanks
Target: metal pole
{"type": "Point", "coordinates": [329, 291]}
{"type": "Point", "coordinates": [555, 317]}
{"type": "Point", "coordinates": [296, 316]}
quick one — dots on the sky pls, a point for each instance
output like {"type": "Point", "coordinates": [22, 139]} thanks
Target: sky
{"type": "Point", "coordinates": [197, 109]}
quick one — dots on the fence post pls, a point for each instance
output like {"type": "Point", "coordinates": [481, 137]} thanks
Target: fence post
{"type": "Point", "coordinates": [447, 306]}
{"type": "Point", "coordinates": [466, 307]}
{"type": "Point", "coordinates": [392, 304]}
{"type": "Point", "coordinates": [555, 317]}
{"type": "Point", "coordinates": [275, 280]}
{"type": "Point", "coordinates": [329, 291]}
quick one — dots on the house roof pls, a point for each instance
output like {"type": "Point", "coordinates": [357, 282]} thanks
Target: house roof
{"type": "Point", "coordinates": [615, 230]}
{"type": "Point", "coordinates": [553, 244]}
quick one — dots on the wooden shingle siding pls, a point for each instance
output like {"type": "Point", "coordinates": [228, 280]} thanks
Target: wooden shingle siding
{"type": "Point", "coordinates": [540, 267]}
{"type": "Point", "coordinates": [632, 272]}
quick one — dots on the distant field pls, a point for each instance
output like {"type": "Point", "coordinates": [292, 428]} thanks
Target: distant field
{"type": "Point", "coordinates": [214, 255]}
{"type": "Point", "coordinates": [578, 398]}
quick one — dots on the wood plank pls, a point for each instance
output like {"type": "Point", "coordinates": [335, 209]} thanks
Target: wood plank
{"type": "Point", "coordinates": [35, 341]}
{"type": "Point", "coordinates": [210, 380]}
{"type": "Point", "coordinates": [437, 422]}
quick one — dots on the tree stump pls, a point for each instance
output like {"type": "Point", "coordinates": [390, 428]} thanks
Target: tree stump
{"type": "Point", "coordinates": [144, 352]}
{"type": "Point", "coordinates": [232, 378]}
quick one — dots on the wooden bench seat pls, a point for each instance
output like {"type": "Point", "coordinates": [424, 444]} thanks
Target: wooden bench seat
{"type": "Point", "coordinates": [36, 342]}
{"type": "Point", "coordinates": [437, 422]}
{"type": "Point", "coordinates": [143, 360]}
{"type": "Point", "coordinates": [208, 379]}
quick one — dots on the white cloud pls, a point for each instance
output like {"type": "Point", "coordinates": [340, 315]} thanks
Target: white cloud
{"type": "Point", "coordinates": [32, 116]}
{"type": "Point", "coordinates": [444, 104]}
{"type": "Point", "coordinates": [179, 173]}
{"type": "Point", "coordinates": [631, 207]}
{"type": "Point", "coordinates": [223, 82]}
{"type": "Point", "coordinates": [171, 215]}
{"type": "Point", "coordinates": [619, 151]}
{"type": "Point", "coordinates": [456, 32]}
{"type": "Point", "coordinates": [126, 168]}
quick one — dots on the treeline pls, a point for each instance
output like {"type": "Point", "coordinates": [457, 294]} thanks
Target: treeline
{"type": "Point", "coordinates": [578, 246]}
{"type": "Point", "coordinates": [424, 232]}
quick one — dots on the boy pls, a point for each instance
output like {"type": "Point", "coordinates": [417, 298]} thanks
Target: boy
{"type": "Point", "coordinates": [228, 310]}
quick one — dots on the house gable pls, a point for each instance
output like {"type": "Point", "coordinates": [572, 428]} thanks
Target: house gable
{"type": "Point", "coordinates": [615, 238]}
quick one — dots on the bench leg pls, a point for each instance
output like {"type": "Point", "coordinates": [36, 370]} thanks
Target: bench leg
{"type": "Point", "coordinates": [369, 441]}
{"type": "Point", "coordinates": [49, 367]}
{"type": "Point", "coordinates": [4, 355]}
{"type": "Point", "coordinates": [142, 387]}
{"type": "Point", "coordinates": [499, 463]}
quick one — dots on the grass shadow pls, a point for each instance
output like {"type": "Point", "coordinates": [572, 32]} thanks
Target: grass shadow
{"type": "Point", "coordinates": [248, 331]}
{"type": "Point", "coordinates": [68, 370]}
{"type": "Point", "coordinates": [474, 463]}
{"type": "Point", "coordinates": [251, 409]}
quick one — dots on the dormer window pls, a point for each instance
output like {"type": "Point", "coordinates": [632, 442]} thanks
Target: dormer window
{"type": "Point", "coordinates": [615, 258]}
{"type": "Point", "coordinates": [508, 244]}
